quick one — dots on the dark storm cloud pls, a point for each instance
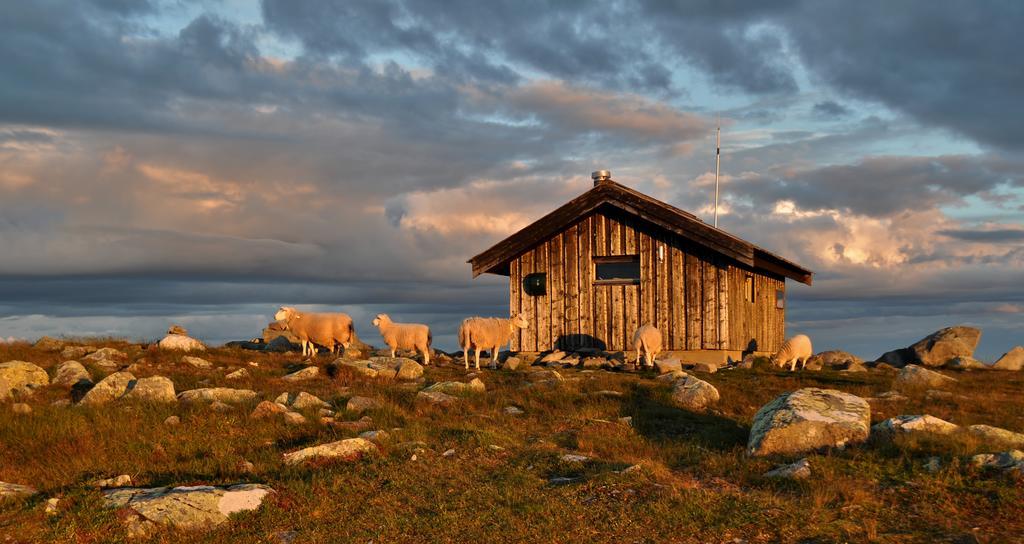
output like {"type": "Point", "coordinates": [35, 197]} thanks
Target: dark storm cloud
{"type": "Point", "coordinates": [993, 236]}
{"type": "Point", "coordinates": [830, 109]}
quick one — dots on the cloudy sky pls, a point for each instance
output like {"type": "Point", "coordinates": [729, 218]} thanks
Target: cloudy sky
{"type": "Point", "coordinates": [203, 162]}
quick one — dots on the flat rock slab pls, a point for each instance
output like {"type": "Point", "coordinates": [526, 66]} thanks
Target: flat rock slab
{"type": "Point", "coordinates": [436, 398]}
{"type": "Point", "coordinates": [107, 354]}
{"type": "Point", "coordinates": [799, 470]}
{"type": "Point", "coordinates": [15, 490]}
{"type": "Point", "coordinates": [476, 385]}
{"type": "Point", "coordinates": [218, 394]}
{"type": "Point", "coordinates": [307, 373]}
{"type": "Point", "coordinates": [918, 377]}
{"type": "Point", "coordinates": [190, 508]}
{"type": "Point", "coordinates": [20, 377]}
{"type": "Point", "coordinates": [996, 436]}
{"type": "Point", "coordinates": [914, 425]}
{"type": "Point", "coordinates": [807, 420]}
{"type": "Point", "coordinates": [347, 450]}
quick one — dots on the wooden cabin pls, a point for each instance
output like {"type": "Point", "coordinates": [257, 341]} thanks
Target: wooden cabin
{"type": "Point", "coordinates": [589, 273]}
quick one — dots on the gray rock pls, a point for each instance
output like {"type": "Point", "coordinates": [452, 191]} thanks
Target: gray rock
{"type": "Point", "coordinates": [268, 410]}
{"type": "Point", "coordinates": [281, 344]}
{"type": "Point", "coordinates": [966, 363]}
{"type": "Point", "coordinates": [574, 458]}
{"type": "Point", "coordinates": [240, 374]}
{"type": "Point", "coordinates": [834, 359]}
{"type": "Point", "coordinates": [694, 394]}
{"type": "Point", "coordinates": [409, 370]}
{"type": "Point", "coordinates": [219, 394]}
{"type": "Point", "coordinates": [152, 389]}
{"type": "Point", "coordinates": [75, 352]}
{"type": "Point", "coordinates": [197, 362]}
{"type": "Point", "coordinates": [305, 401]}
{"type": "Point", "coordinates": [799, 470]}
{"type": "Point", "coordinates": [665, 366]}
{"type": "Point", "coordinates": [307, 373]}
{"type": "Point", "coordinates": [595, 362]}
{"type": "Point", "coordinates": [123, 480]}
{"type": "Point", "coordinates": [809, 419]}
{"type": "Point", "coordinates": [997, 437]}
{"type": "Point", "coordinates": [47, 343]}
{"type": "Point", "coordinates": [553, 357]}
{"type": "Point", "coordinates": [109, 389]}
{"type": "Point", "coordinates": [348, 450]}
{"type": "Point", "coordinates": [179, 342]}
{"type": "Point", "coordinates": [918, 377]}
{"type": "Point", "coordinates": [937, 348]}
{"type": "Point", "coordinates": [361, 404]}
{"type": "Point", "coordinates": [513, 363]}
{"type": "Point", "coordinates": [108, 354]}
{"type": "Point", "coordinates": [70, 373]}
{"type": "Point", "coordinates": [710, 368]}
{"type": "Point", "coordinates": [294, 418]}
{"type": "Point", "coordinates": [436, 398]}
{"type": "Point", "coordinates": [1006, 461]}
{"type": "Point", "coordinates": [913, 426]}
{"type": "Point", "coordinates": [188, 508]}
{"type": "Point", "coordinates": [514, 411]}
{"type": "Point", "coordinates": [172, 421]}
{"type": "Point", "coordinates": [673, 376]}
{"type": "Point", "coordinates": [458, 388]}
{"type": "Point", "coordinates": [21, 378]}
{"type": "Point", "coordinates": [1011, 360]}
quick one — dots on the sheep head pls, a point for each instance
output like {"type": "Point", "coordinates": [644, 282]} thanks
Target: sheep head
{"type": "Point", "coordinates": [519, 320]}
{"type": "Point", "coordinates": [285, 314]}
{"type": "Point", "coordinates": [381, 318]}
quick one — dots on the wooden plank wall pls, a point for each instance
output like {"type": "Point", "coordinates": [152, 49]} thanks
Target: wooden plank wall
{"type": "Point", "coordinates": [694, 297]}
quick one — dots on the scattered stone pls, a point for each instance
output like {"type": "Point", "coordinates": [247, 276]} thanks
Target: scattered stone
{"type": "Point", "coordinates": [918, 377]}
{"type": "Point", "coordinates": [595, 362]}
{"type": "Point", "coordinates": [966, 363]}
{"type": "Point", "coordinates": [348, 450]}
{"type": "Point", "coordinates": [75, 352]}
{"type": "Point", "coordinates": [180, 342]}
{"type": "Point", "coordinates": [47, 343]}
{"type": "Point", "coordinates": [933, 464]}
{"type": "Point", "coordinates": [913, 425]}
{"type": "Point", "coordinates": [627, 420]}
{"type": "Point", "coordinates": [219, 407]}
{"type": "Point", "coordinates": [855, 367]}
{"type": "Point", "coordinates": [552, 357]}
{"type": "Point", "coordinates": [281, 344]}
{"type": "Point", "coordinates": [495, 447]}
{"type": "Point", "coordinates": [360, 425]}
{"type": "Point", "coordinates": [893, 396]}
{"type": "Point", "coordinates": [245, 466]}
{"type": "Point", "coordinates": [359, 404]}
{"type": "Point", "coordinates": [324, 412]}
{"type": "Point", "coordinates": [123, 480]}
{"type": "Point", "coordinates": [152, 389]}
{"type": "Point", "coordinates": [694, 394]}
{"type": "Point", "coordinates": [665, 366]}
{"type": "Point", "coordinates": [564, 480]}
{"type": "Point", "coordinates": [935, 394]}
{"type": "Point", "coordinates": [306, 401]}
{"type": "Point", "coordinates": [286, 537]}
{"type": "Point", "coordinates": [188, 508]}
{"type": "Point", "coordinates": [448, 453]}
{"type": "Point", "coordinates": [885, 367]}
{"type": "Point", "coordinates": [836, 359]}
{"type": "Point", "coordinates": [52, 506]}
{"type": "Point", "coordinates": [436, 398]}
{"type": "Point", "coordinates": [513, 363]}
{"type": "Point", "coordinates": [574, 458]}
{"type": "Point", "coordinates": [710, 368]}
{"type": "Point", "coordinates": [514, 411]}
{"type": "Point", "coordinates": [1011, 360]}
{"type": "Point", "coordinates": [809, 419]}
{"type": "Point", "coordinates": [20, 377]}
{"type": "Point", "coordinates": [177, 329]}
{"type": "Point", "coordinates": [1006, 461]}
{"type": "Point", "coordinates": [219, 394]}
{"type": "Point", "coordinates": [15, 490]}
{"type": "Point", "coordinates": [172, 421]}
{"type": "Point", "coordinates": [240, 374]}
{"type": "Point", "coordinates": [375, 436]}
{"type": "Point", "coordinates": [268, 410]}
{"type": "Point", "coordinates": [197, 362]}
{"type": "Point", "coordinates": [409, 370]}
{"type": "Point", "coordinates": [21, 408]}
{"type": "Point", "coordinates": [106, 354]}
{"type": "Point", "coordinates": [937, 348]}
{"type": "Point", "coordinates": [672, 377]}
{"type": "Point", "coordinates": [799, 470]}
{"type": "Point", "coordinates": [476, 385]}
{"type": "Point", "coordinates": [294, 418]}
{"type": "Point", "coordinates": [108, 389]}
{"type": "Point", "coordinates": [608, 393]}
{"type": "Point", "coordinates": [996, 436]}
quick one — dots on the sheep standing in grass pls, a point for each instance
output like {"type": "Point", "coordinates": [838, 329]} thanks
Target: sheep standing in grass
{"type": "Point", "coordinates": [488, 332]}
{"type": "Point", "coordinates": [647, 339]}
{"type": "Point", "coordinates": [312, 329]}
{"type": "Point", "coordinates": [795, 350]}
{"type": "Point", "coordinates": [404, 336]}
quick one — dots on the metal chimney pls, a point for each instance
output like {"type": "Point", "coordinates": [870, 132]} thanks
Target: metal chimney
{"type": "Point", "coordinates": [601, 176]}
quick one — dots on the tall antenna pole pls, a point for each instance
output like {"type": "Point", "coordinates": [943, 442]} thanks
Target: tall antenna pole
{"type": "Point", "coordinates": [718, 164]}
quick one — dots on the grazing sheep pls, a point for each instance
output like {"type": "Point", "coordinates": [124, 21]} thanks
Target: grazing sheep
{"type": "Point", "coordinates": [648, 338]}
{"type": "Point", "coordinates": [795, 350]}
{"type": "Point", "coordinates": [488, 332]}
{"type": "Point", "coordinates": [328, 330]}
{"type": "Point", "coordinates": [404, 336]}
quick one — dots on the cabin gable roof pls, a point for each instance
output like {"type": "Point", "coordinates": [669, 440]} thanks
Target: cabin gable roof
{"type": "Point", "coordinates": [665, 216]}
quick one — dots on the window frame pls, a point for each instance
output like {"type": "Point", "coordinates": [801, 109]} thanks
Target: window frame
{"type": "Point", "coordinates": [617, 259]}
{"type": "Point", "coordinates": [749, 289]}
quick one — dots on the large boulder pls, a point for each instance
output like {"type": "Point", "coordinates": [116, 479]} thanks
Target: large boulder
{"type": "Point", "coordinates": [1011, 360]}
{"type": "Point", "coordinates": [937, 348]}
{"type": "Point", "coordinates": [47, 343]}
{"type": "Point", "coordinates": [913, 426]}
{"type": "Point", "coordinates": [217, 394]}
{"type": "Point", "coordinates": [75, 352]}
{"type": "Point", "coordinates": [70, 373]}
{"type": "Point", "coordinates": [807, 420]}
{"type": "Point", "coordinates": [20, 377]}
{"type": "Point", "coordinates": [152, 389]}
{"type": "Point", "coordinates": [276, 330]}
{"type": "Point", "coordinates": [108, 389]}
{"type": "Point", "coordinates": [281, 344]}
{"type": "Point", "coordinates": [694, 394]}
{"type": "Point", "coordinates": [917, 377]}
{"type": "Point", "coordinates": [348, 450]}
{"type": "Point", "coordinates": [180, 342]}
{"type": "Point", "coordinates": [189, 508]}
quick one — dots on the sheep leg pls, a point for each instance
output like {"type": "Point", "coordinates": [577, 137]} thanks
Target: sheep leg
{"type": "Point", "coordinates": [426, 356]}
{"type": "Point", "coordinates": [494, 358]}
{"type": "Point", "coordinates": [478, 357]}
{"type": "Point", "coordinates": [465, 356]}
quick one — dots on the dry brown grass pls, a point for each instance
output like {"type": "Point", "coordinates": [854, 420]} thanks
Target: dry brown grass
{"type": "Point", "coordinates": [695, 483]}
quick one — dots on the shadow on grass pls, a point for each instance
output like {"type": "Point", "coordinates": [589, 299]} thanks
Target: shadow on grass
{"type": "Point", "coordinates": [656, 419]}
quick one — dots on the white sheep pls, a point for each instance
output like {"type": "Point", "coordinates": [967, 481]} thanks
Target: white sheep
{"type": "Point", "coordinates": [795, 350]}
{"type": "Point", "coordinates": [328, 330]}
{"type": "Point", "coordinates": [648, 339]}
{"type": "Point", "coordinates": [488, 332]}
{"type": "Point", "coordinates": [404, 336]}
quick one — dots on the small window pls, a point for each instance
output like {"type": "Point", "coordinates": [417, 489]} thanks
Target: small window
{"type": "Point", "coordinates": [535, 284]}
{"type": "Point", "coordinates": [780, 299]}
{"type": "Point", "coordinates": [748, 289]}
{"type": "Point", "coordinates": [617, 270]}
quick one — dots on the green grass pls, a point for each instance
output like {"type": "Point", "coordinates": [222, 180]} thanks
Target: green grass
{"type": "Point", "coordinates": [694, 484]}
